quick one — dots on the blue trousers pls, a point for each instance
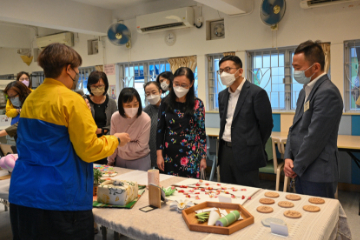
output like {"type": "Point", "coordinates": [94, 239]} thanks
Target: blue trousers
{"type": "Point", "coordinates": [322, 189]}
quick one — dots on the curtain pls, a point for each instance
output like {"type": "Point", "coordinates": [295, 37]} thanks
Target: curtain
{"type": "Point", "coordinates": [229, 54]}
{"type": "Point", "coordinates": [178, 62]}
{"type": "Point", "coordinates": [326, 49]}
{"type": "Point", "coordinates": [99, 68]}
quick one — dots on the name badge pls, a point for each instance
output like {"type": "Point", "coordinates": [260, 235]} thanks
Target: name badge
{"type": "Point", "coordinates": [306, 106]}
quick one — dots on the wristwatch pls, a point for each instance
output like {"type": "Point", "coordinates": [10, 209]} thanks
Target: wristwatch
{"type": "Point", "coordinates": [119, 140]}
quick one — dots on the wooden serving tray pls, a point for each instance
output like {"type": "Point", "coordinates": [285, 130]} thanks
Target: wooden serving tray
{"type": "Point", "coordinates": [193, 224]}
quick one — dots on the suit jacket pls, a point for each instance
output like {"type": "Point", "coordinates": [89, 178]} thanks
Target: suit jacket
{"type": "Point", "coordinates": [251, 126]}
{"type": "Point", "coordinates": [312, 139]}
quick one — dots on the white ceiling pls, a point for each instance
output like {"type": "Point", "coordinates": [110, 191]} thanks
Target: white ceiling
{"type": "Point", "coordinates": [114, 4]}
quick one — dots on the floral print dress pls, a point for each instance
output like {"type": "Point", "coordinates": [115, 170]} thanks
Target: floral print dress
{"type": "Point", "coordinates": [182, 138]}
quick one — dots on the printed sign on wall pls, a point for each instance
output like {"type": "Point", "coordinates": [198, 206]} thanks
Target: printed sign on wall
{"type": "Point", "coordinates": [109, 69]}
{"type": "Point", "coordinates": [112, 92]}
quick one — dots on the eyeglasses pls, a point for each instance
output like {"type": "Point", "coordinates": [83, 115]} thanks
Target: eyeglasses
{"type": "Point", "coordinates": [97, 87]}
{"type": "Point", "coordinates": [227, 70]}
{"type": "Point", "coordinates": [180, 85]}
{"type": "Point", "coordinates": [24, 79]}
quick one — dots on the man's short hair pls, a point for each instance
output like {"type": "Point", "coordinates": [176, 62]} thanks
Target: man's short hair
{"type": "Point", "coordinates": [313, 52]}
{"type": "Point", "coordinates": [237, 61]}
{"type": "Point", "coordinates": [55, 57]}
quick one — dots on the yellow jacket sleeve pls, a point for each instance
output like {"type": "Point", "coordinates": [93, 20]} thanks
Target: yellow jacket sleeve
{"type": "Point", "coordinates": [82, 128]}
{"type": "Point", "coordinates": [10, 110]}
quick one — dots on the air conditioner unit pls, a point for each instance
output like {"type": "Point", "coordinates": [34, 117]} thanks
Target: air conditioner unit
{"type": "Point", "coordinates": [321, 3]}
{"type": "Point", "coordinates": [167, 20]}
{"type": "Point", "coordinates": [66, 38]}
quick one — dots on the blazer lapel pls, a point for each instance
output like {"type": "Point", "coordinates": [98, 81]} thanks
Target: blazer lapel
{"type": "Point", "coordinates": [226, 101]}
{"type": "Point", "coordinates": [243, 93]}
{"type": "Point", "coordinates": [300, 109]}
{"type": "Point", "coordinates": [316, 86]}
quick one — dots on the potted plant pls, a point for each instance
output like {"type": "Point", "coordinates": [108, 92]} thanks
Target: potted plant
{"type": "Point", "coordinates": [97, 176]}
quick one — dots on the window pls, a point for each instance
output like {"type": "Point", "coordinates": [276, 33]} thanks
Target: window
{"type": "Point", "coordinates": [272, 71]}
{"type": "Point", "coordinates": [37, 78]}
{"type": "Point", "coordinates": [351, 75]}
{"type": "Point", "coordinates": [214, 84]}
{"type": "Point", "coordinates": [136, 74]}
{"type": "Point", "coordinates": [83, 78]}
{"type": "Point", "coordinates": [7, 77]}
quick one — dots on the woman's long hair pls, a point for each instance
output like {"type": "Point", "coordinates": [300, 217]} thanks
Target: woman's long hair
{"type": "Point", "coordinates": [170, 99]}
{"type": "Point", "coordinates": [20, 89]}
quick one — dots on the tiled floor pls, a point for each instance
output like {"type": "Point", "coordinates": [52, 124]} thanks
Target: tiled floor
{"type": "Point", "coordinates": [349, 201]}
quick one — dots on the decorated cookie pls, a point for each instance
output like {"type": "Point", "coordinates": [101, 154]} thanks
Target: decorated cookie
{"type": "Point", "coordinates": [271, 194]}
{"type": "Point", "coordinates": [293, 197]}
{"type": "Point", "coordinates": [292, 214]}
{"type": "Point", "coordinates": [266, 201]}
{"type": "Point", "coordinates": [316, 200]}
{"type": "Point", "coordinates": [311, 208]}
{"type": "Point", "coordinates": [265, 209]}
{"type": "Point", "coordinates": [285, 204]}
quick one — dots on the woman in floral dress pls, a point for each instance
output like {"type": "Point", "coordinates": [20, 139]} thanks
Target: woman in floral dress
{"type": "Point", "coordinates": [181, 136]}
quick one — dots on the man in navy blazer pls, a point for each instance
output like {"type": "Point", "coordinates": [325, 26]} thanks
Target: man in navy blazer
{"type": "Point", "coordinates": [311, 155]}
{"type": "Point", "coordinates": [245, 125]}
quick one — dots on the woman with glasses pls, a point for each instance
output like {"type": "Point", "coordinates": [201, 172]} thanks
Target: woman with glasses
{"type": "Point", "coordinates": [102, 106]}
{"type": "Point", "coordinates": [181, 136]}
{"type": "Point", "coordinates": [13, 111]}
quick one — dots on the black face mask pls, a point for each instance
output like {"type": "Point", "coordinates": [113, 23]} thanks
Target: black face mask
{"type": "Point", "coordinates": [75, 80]}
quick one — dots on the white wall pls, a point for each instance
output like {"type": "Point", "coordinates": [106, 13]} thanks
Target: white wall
{"type": "Point", "coordinates": [333, 24]}
{"type": "Point", "coordinates": [11, 63]}
{"type": "Point", "coordinates": [57, 14]}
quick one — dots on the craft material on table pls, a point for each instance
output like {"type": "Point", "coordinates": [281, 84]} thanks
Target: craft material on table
{"type": "Point", "coordinates": [141, 177]}
{"type": "Point", "coordinates": [266, 222]}
{"type": "Point", "coordinates": [130, 205]}
{"type": "Point", "coordinates": [228, 219]}
{"type": "Point", "coordinates": [107, 171]}
{"type": "Point", "coordinates": [213, 218]}
{"type": "Point", "coordinates": [236, 210]}
{"type": "Point", "coordinates": [200, 191]}
{"type": "Point", "coordinates": [153, 177]}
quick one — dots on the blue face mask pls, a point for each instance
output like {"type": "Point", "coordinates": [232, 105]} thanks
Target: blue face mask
{"type": "Point", "coordinates": [300, 76]}
{"type": "Point", "coordinates": [15, 101]}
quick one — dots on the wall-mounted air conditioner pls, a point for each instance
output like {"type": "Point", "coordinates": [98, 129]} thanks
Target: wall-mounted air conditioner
{"type": "Point", "coordinates": [66, 38]}
{"type": "Point", "coordinates": [321, 3]}
{"type": "Point", "coordinates": [167, 20]}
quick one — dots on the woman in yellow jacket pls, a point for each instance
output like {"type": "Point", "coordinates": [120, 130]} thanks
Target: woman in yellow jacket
{"type": "Point", "coordinates": [11, 110]}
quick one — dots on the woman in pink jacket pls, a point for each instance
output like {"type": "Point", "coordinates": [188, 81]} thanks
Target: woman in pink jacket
{"type": "Point", "coordinates": [132, 120]}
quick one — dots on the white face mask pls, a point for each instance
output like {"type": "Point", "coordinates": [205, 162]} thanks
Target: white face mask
{"type": "Point", "coordinates": [153, 99]}
{"type": "Point", "coordinates": [180, 91]}
{"type": "Point", "coordinates": [131, 112]}
{"type": "Point", "coordinates": [228, 79]}
{"type": "Point", "coordinates": [300, 76]}
{"type": "Point", "coordinates": [164, 85]}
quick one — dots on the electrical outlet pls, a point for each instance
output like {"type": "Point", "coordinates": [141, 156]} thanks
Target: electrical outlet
{"type": "Point", "coordinates": [199, 20]}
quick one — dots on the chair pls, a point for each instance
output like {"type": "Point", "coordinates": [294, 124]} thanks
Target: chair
{"type": "Point", "coordinates": [211, 157]}
{"type": "Point", "coordinates": [273, 166]}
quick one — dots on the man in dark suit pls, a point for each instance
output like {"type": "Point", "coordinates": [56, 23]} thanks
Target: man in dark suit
{"type": "Point", "coordinates": [246, 124]}
{"type": "Point", "coordinates": [311, 155]}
